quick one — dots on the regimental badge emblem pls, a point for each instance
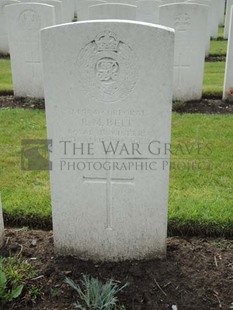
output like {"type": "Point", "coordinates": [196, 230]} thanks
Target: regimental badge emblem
{"type": "Point", "coordinates": [182, 22]}
{"type": "Point", "coordinates": [30, 20]}
{"type": "Point", "coordinates": [108, 68]}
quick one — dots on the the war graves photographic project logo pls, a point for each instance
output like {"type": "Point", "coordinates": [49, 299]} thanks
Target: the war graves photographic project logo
{"type": "Point", "coordinates": [35, 155]}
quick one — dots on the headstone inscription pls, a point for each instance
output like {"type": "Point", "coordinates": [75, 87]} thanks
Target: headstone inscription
{"type": "Point", "coordinates": [108, 92]}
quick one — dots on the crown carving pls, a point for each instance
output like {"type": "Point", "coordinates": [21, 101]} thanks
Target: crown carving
{"type": "Point", "coordinates": [107, 42]}
{"type": "Point", "coordinates": [182, 22]}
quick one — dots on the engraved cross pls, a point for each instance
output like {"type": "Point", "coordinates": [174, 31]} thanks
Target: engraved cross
{"type": "Point", "coordinates": [109, 181]}
{"type": "Point", "coordinates": [33, 61]}
{"type": "Point", "coordinates": [179, 69]}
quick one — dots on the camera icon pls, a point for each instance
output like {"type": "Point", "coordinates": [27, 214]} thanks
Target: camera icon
{"type": "Point", "coordinates": [35, 155]}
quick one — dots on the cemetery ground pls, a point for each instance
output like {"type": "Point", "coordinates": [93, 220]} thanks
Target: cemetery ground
{"type": "Point", "coordinates": [198, 270]}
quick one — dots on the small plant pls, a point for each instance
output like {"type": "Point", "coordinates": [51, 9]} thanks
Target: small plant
{"type": "Point", "coordinates": [8, 291]}
{"type": "Point", "coordinates": [55, 293]}
{"type": "Point", "coordinates": [14, 277]}
{"type": "Point", "coordinates": [34, 292]}
{"type": "Point", "coordinates": [95, 295]}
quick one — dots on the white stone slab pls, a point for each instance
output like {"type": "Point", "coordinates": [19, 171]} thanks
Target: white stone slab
{"type": "Point", "coordinates": [172, 1]}
{"type": "Point", "coordinates": [83, 8]}
{"type": "Point", "coordinates": [24, 23]}
{"type": "Point", "coordinates": [109, 81]}
{"type": "Point", "coordinates": [148, 11]}
{"type": "Point", "coordinates": [228, 79]}
{"type": "Point", "coordinates": [227, 18]}
{"type": "Point", "coordinates": [4, 45]}
{"type": "Point", "coordinates": [190, 24]}
{"type": "Point", "coordinates": [1, 224]}
{"type": "Point", "coordinates": [112, 11]}
{"type": "Point", "coordinates": [57, 6]}
{"type": "Point", "coordinates": [68, 10]}
{"type": "Point", "coordinates": [132, 2]}
{"type": "Point", "coordinates": [208, 33]}
{"type": "Point", "coordinates": [221, 11]}
{"type": "Point", "coordinates": [215, 19]}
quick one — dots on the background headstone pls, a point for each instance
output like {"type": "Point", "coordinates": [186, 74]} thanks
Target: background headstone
{"type": "Point", "coordinates": [83, 8]}
{"type": "Point", "coordinates": [4, 45]}
{"type": "Point", "coordinates": [228, 80]}
{"type": "Point", "coordinates": [214, 19]}
{"type": "Point", "coordinates": [208, 33]}
{"type": "Point", "coordinates": [57, 6]}
{"type": "Point", "coordinates": [24, 23]}
{"type": "Point", "coordinates": [190, 24]}
{"type": "Point", "coordinates": [221, 11]}
{"type": "Point", "coordinates": [227, 18]}
{"type": "Point", "coordinates": [148, 11]}
{"type": "Point", "coordinates": [113, 11]}
{"type": "Point", "coordinates": [108, 81]}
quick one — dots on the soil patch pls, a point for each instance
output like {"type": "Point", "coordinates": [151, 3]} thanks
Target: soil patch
{"type": "Point", "coordinates": [210, 105]}
{"type": "Point", "coordinates": [216, 58]}
{"type": "Point", "coordinates": [205, 106]}
{"type": "Point", "coordinates": [197, 274]}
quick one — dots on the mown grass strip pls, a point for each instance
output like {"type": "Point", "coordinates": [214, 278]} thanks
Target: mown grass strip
{"type": "Point", "coordinates": [200, 198]}
{"type": "Point", "coordinates": [213, 79]}
{"type": "Point", "coordinates": [5, 76]}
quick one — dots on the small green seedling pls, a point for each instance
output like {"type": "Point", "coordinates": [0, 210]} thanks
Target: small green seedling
{"type": "Point", "coordinates": [7, 292]}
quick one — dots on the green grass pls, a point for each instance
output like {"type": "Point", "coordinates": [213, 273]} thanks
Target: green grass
{"type": "Point", "coordinates": [213, 78]}
{"type": "Point", "coordinates": [218, 48]}
{"type": "Point", "coordinates": [5, 75]}
{"type": "Point", "coordinates": [221, 32]}
{"type": "Point", "coordinates": [23, 192]}
{"type": "Point", "coordinates": [200, 200]}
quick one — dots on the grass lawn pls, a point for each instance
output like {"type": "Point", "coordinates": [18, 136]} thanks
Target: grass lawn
{"type": "Point", "coordinates": [5, 75]}
{"type": "Point", "coordinates": [220, 31]}
{"type": "Point", "coordinates": [200, 199]}
{"type": "Point", "coordinates": [218, 48]}
{"type": "Point", "coordinates": [213, 78]}
{"type": "Point", "coordinates": [22, 192]}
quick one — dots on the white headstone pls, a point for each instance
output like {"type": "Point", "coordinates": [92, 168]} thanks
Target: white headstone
{"type": "Point", "coordinates": [190, 24]}
{"type": "Point", "coordinates": [148, 11]}
{"type": "Point", "coordinates": [227, 18]}
{"type": "Point", "coordinates": [83, 8]}
{"type": "Point", "coordinates": [4, 45]}
{"type": "Point", "coordinates": [228, 80]}
{"type": "Point", "coordinates": [109, 82]}
{"type": "Point", "coordinates": [57, 6]}
{"type": "Point", "coordinates": [112, 11]}
{"type": "Point", "coordinates": [172, 1]}
{"type": "Point", "coordinates": [221, 11]}
{"type": "Point", "coordinates": [1, 224]}
{"type": "Point", "coordinates": [24, 23]}
{"type": "Point", "coordinates": [208, 33]}
{"type": "Point", "coordinates": [132, 2]}
{"type": "Point", "coordinates": [67, 10]}
{"type": "Point", "coordinates": [214, 19]}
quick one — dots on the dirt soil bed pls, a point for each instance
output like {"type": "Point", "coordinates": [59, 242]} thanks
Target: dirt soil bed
{"type": "Point", "coordinates": [197, 274]}
{"type": "Point", "coordinates": [208, 106]}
